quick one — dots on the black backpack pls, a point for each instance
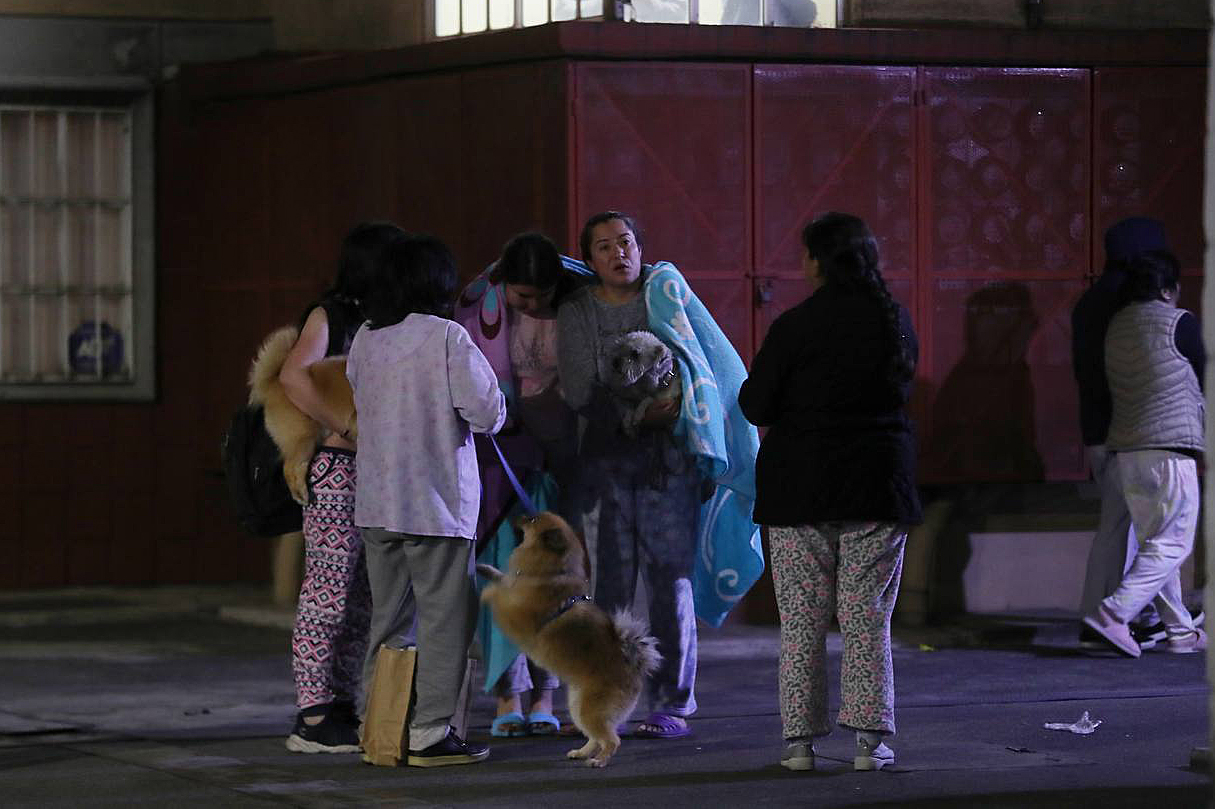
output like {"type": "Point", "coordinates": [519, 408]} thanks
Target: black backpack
{"type": "Point", "coordinates": [253, 470]}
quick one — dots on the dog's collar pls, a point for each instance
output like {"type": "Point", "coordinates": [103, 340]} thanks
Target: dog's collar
{"type": "Point", "coordinates": [565, 607]}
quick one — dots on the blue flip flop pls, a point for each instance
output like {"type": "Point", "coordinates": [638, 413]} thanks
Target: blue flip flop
{"type": "Point", "coordinates": [508, 724]}
{"type": "Point", "coordinates": [543, 724]}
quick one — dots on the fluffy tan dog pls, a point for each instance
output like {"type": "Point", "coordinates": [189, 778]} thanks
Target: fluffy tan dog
{"type": "Point", "coordinates": [297, 435]}
{"type": "Point", "coordinates": [542, 605]}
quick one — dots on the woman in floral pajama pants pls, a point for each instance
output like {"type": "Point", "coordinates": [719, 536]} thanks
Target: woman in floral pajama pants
{"type": "Point", "coordinates": [849, 569]}
{"type": "Point", "coordinates": [835, 484]}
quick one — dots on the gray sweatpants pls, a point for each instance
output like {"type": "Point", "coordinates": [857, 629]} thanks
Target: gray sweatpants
{"type": "Point", "coordinates": [422, 595]}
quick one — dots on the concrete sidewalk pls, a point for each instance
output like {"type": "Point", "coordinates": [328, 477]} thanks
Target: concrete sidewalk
{"type": "Point", "coordinates": [114, 697]}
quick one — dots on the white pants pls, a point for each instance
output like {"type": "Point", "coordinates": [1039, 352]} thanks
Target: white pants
{"type": "Point", "coordinates": [1114, 545]}
{"type": "Point", "coordinates": [1161, 492]}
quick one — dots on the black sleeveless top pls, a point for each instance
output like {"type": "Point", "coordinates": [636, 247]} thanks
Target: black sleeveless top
{"type": "Point", "coordinates": [344, 320]}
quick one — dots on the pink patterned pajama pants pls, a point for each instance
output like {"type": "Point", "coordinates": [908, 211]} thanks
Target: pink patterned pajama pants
{"type": "Point", "coordinates": [852, 570]}
{"type": "Point", "coordinates": [329, 640]}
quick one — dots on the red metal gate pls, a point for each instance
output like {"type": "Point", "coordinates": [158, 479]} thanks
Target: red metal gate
{"type": "Point", "coordinates": [1149, 126]}
{"type": "Point", "coordinates": [671, 145]}
{"type": "Point", "coordinates": [831, 138]}
{"type": "Point", "coordinates": [1003, 251]}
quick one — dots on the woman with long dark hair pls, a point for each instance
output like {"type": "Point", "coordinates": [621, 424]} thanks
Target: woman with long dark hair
{"type": "Point", "coordinates": [510, 311]}
{"type": "Point", "coordinates": [835, 484]}
{"type": "Point", "coordinates": [329, 639]}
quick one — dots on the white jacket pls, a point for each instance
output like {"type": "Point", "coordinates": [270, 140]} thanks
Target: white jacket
{"type": "Point", "coordinates": [421, 389]}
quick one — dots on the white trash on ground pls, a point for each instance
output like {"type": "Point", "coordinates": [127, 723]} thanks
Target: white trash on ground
{"type": "Point", "coordinates": [1084, 725]}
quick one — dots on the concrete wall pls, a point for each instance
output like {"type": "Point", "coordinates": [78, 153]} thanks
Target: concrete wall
{"type": "Point", "coordinates": [315, 25]}
{"type": "Point", "coordinates": [299, 25]}
{"type": "Point", "coordinates": [1089, 14]}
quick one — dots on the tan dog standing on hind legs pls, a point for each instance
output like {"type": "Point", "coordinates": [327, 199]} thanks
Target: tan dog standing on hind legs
{"type": "Point", "coordinates": [543, 606]}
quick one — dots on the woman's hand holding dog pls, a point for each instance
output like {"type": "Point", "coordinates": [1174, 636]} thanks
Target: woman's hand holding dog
{"type": "Point", "coordinates": [661, 413]}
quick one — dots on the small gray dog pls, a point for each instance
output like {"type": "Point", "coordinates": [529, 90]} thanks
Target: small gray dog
{"type": "Point", "coordinates": [641, 370]}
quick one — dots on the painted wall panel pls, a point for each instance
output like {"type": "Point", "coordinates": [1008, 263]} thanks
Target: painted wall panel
{"type": "Point", "coordinates": [1148, 157]}
{"type": "Point", "coordinates": [833, 138]}
{"type": "Point", "coordinates": [1004, 229]}
{"type": "Point", "coordinates": [515, 158]}
{"type": "Point", "coordinates": [670, 145]}
{"type": "Point", "coordinates": [1005, 407]}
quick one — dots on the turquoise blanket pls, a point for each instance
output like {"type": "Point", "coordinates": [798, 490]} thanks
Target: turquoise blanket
{"type": "Point", "coordinates": [729, 557]}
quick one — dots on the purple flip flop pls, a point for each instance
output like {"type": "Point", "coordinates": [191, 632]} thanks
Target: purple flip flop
{"type": "Point", "coordinates": [663, 726]}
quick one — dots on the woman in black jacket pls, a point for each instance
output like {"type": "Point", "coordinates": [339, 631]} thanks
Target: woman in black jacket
{"type": "Point", "coordinates": [835, 480]}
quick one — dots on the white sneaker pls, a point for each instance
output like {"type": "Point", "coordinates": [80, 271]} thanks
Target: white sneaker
{"type": "Point", "coordinates": [1195, 642]}
{"type": "Point", "coordinates": [871, 756]}
{"type": "Point", "coordinates": [798, 756]}
{"type": "Point", "coordinates": [1115, 632]}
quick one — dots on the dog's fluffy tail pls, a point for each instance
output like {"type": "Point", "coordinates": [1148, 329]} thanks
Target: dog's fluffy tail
{"type": "Point", "coordinates": [639, 647]}
{"type": "Point", "coordinates": [269, 361]}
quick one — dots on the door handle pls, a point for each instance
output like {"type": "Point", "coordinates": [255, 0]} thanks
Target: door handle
{"type": "Point", "coordinates": [764, 291]}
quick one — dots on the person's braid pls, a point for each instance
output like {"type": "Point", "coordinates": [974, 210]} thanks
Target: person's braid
{"type": "Point", "coordinates": [847, 256]}
{"type": "Point", "coordinates": [901, 367]}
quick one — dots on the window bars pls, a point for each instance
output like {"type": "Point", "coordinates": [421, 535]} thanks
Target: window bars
{"type": "Point", "coordinates": [66, 284]}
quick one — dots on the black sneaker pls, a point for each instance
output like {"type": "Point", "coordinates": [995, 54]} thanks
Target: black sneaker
{"type": "Point", "coordinates": [1149, 636]}
{"type": "Point", "coordinates": [338, 732]}
{"type": "Point", "coordinates": [452, 750]}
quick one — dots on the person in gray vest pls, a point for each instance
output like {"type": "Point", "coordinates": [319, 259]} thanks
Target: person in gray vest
{"type": "Point", "coordinates": [1114, 543]}
{"type": "Point", "coordinates": [1154, 362]}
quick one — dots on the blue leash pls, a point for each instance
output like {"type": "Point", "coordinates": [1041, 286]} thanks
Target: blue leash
{"type": "Point", "coordinates": [528, 505]}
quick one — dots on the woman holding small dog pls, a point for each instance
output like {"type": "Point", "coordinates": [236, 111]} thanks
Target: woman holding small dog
{"type": "Point", "coordinates": [421, 389]}
{"type": "Point", "coordinates": [835, 480]}
{"type": "Point", "coordinates": [649, 492]}
{"type": "Point", "coordinates": [511, 313]}
{"type": "Point", "coordinates": [329, 639]}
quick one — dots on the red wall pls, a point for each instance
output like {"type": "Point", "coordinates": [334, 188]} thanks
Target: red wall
{"type": "Point", "coordinates": [987, 187]}
{"type": "Point", "coordinates": [253, 200]}
{"type": "Point", "coordinates": [989, 190]}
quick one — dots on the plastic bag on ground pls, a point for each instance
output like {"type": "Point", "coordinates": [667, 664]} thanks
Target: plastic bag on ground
{"type": "Point", "coordinates": [1083, 726]}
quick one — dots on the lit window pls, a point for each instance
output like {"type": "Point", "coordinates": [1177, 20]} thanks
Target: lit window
{"type": "Point", "coordinates": [454, 17]}
{"type": "Point", "coordinates": [793, 13]}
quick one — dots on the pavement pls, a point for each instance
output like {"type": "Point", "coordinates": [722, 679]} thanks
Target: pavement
{"type": "Point", "coordinates": [183, 697]}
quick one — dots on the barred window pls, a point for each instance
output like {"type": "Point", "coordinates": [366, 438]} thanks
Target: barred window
{"type": "Point", "coordinates": [68, 281]}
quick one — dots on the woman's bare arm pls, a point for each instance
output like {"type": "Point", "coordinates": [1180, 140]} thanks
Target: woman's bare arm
{"type": "Point", "coordinates": [297, 383]}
